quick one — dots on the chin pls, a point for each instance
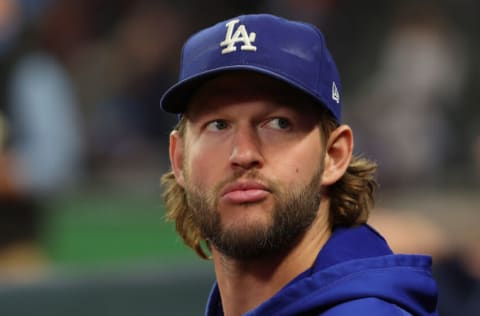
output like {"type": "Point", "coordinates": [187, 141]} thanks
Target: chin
{"type": "Point", "coordinates": [246, 216]}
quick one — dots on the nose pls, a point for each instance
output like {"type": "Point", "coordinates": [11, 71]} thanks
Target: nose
{"type": "Point", "coordinates": [246, 153]}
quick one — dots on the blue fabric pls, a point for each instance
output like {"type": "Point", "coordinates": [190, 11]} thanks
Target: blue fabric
{"type": "Point", "coordinates": [366, 306]}
{"type": "Point", "coordinates": [355, 273]}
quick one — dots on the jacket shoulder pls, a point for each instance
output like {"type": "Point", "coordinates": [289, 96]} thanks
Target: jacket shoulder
{"type": "Point", "coordinates": [366, 306]}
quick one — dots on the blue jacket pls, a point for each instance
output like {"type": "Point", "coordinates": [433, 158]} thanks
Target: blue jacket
{"type": "Point", "coordinates": [355, 273]}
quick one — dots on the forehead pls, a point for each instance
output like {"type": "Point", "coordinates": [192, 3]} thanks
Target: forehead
{"type": "Point", "coordinates": [242, 86]}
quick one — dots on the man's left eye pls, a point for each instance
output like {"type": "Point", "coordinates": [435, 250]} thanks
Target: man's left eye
{"type": "Point", "coordinates": [279, 123]}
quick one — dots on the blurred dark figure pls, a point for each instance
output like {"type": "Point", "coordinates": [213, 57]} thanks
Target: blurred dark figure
{"type": "Point", "coordinates": [459, 282]}
{"type": "Point", "coordinates": [419, 81]}
{"type": "Point", "coordinates": [121, 77]}
{"type": "Point", "coordinates": [40, 135]}
{"type": "Point", "coordinates": [43, 137]}
{"type": "Point", "coordinates": [21, 257]}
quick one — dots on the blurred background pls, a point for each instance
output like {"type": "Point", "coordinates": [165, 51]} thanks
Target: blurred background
{"type": "Point", "coordinates": [83, 144]}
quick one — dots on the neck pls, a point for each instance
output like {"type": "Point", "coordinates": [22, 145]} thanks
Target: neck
{"type": "Point", "coordinates": [245, 285]}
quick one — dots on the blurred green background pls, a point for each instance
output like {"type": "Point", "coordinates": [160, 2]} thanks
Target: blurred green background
{"type": "Point", "coordinates": [92, 229]}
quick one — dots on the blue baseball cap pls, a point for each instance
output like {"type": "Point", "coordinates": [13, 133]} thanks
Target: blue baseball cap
{"type": "Point", "coordinates": [292, 52]}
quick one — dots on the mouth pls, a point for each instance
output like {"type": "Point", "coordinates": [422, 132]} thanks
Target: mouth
{"type": "Point", "coordinates": [245, 192]}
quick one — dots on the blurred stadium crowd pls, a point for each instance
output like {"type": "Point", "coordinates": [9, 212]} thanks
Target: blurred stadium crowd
{"type": "Point", "coordinates": [80, 83]}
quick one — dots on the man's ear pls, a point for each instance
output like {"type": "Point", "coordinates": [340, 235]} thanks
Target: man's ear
{"type": "Point", "coordinates": [338, 154]}
{"type": "Point", "coordinates": [176, 157]}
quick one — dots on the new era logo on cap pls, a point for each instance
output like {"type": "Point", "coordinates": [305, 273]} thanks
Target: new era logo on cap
{"type": "Point", "coordinates": [289, 51]}
{"type": "Point", "coordinates": [335, 93]}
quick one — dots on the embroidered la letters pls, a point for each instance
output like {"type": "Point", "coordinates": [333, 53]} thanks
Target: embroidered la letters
{"type": "Point", "coordinates": [240, 35]}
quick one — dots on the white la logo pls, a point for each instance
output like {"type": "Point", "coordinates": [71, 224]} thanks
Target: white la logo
{"type": "Point", "coordinates": [240, 35]}
{"type": "Point", "coordinates": [335, 94]}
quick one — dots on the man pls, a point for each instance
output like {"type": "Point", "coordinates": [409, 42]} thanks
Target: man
{"type": "Point", "coordinates": [263, 179]}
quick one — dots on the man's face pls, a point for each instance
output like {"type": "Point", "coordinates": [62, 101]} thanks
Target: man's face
{"type": "Point", "coordinates": [252, 164]}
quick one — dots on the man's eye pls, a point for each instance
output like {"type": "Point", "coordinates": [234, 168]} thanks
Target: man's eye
{"type": "Point", "coordinates": [279, 123]}
{"type": "Point", "coordinates": [217, 125]}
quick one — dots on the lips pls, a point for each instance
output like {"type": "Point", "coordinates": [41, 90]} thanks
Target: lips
{"type": "Point", "coordinates": [245, 192]}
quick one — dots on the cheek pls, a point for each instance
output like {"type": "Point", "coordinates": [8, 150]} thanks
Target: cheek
{"type": "Point", "coordinates": [202, 167]}
{"type": "Point", "coordinates": [297, 164]}
{"type": "Point", "coordinates": [294, 174]}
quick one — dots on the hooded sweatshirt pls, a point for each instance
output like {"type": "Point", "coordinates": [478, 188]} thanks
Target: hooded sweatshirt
{"type": "Point", "coordinates": [355, 273]}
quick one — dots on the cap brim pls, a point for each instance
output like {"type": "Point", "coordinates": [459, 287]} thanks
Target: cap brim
{"type": "Point", "coordinates": [176, 99]}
